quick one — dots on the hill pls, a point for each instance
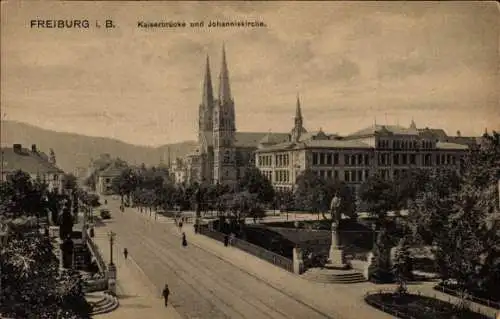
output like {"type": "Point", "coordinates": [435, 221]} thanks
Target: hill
{"type": "Point", "coordinates": [75, 151]}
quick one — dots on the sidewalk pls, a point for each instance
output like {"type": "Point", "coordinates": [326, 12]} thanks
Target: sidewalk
{"type": "Point", "coordinates": [137, 295]}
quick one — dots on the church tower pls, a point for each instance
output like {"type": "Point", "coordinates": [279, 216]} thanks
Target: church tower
{"type": "Point", "coordinates": [298, 128]}
{"type": "Point", "coordinates": [224, 130]}
{"type": "Point", "coordinates": [206, 109]}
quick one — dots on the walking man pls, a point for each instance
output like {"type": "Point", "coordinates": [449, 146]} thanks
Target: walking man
{"type": "Point", "coordinates": [165, 294]}
{"type": "Point", "coordinates": [125, 253]}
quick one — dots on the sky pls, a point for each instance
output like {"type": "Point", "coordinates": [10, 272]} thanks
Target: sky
{"type": "Point", "coordinates": [352, 64]}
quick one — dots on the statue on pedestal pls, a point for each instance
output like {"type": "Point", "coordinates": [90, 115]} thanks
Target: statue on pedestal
{"type": "Point", "coordinates": [337, 256]}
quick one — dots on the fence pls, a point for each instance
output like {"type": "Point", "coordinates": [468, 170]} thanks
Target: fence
{"type": "Point", "coordinates": [252, 249]}
{"type": "Point", "coordinates": [409, 313]}
{"type": "Point", "coordinates": [453, 292]}
{"type": "Point", "coordinates": [94, 250]}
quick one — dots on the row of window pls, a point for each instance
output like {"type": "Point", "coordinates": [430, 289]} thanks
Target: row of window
{"type": "Point", "coordinates": [321, 158]}
{"type": "Point", "coordinates": [282, 176]}
{"type": "Point", "coordinates": [405, 145]}
{"type": "Point", "coordinates": [265, 160]}
{"type": "Point", "coordinates": [282, 160]}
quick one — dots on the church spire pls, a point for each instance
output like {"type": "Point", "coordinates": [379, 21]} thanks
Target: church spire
{"type": "Point", "coordinates": [298, 111]}
{"type": "Point", "coordinates": [298, 128]}
{"type": "Point", "coordinates": [208, 92]}
{"type": "Point", "coordinates": [224, 88]}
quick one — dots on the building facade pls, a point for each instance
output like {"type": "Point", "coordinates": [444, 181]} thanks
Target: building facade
{"type": "Point", "coordinates": [223, 153]}
{"type": "Point", "coordinates": [387, 150]}
{"type": "Point", "coordinates": [32, 161]}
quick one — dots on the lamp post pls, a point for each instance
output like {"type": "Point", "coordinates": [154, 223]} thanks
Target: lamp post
{"type": "Point", "coordinates": [111, 266]}
{"type": "Point", "coordinates": [374, 228]}
{"type": "Point", "coordinates": [111, 236]}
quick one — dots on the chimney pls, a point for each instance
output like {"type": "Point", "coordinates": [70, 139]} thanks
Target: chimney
{"type": "Point", "coordinates": [17, 148]}
{"type": "Point", "coordinates": [458, 134]}
{"type": "Point", "coordinates": [33, 148]}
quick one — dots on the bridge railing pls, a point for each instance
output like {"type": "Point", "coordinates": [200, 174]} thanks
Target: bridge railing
{"type": "Point", "coordinates": [252, 249]}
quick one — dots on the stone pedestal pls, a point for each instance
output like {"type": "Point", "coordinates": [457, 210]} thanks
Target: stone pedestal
{"type": "Point", "coordinates": [112, 279]}
{"type": "Point", "coordinates": [298, 261]}
{"type": "Point", "coordinates": [336, 259]}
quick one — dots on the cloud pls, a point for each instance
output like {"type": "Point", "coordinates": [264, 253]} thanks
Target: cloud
{"type": "Point", "coordinates": [349, 61]}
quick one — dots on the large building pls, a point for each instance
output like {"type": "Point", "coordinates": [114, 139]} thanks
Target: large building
{"type": "Point", "coordinates": [388, 150]}
{"type": "Point", "coordinates": [32, 161]}
{"type": "Point", "coordinates": [223, 153]}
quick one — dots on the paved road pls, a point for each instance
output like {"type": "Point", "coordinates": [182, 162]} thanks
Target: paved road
{"type": "Point", "coordinates": [202, 285]}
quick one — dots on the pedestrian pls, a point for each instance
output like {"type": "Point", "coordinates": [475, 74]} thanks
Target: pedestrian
{"type": "Point", "coordinates": [184, 241]}
{"type": "Point", "coordinates": [125, 253]}
{"type": "Point", "coordinates": [231, 239]}
{"type": "Point", "coordinates": [226, 240]}
{"type": "Point", "coordinates": [165, 293]}
{"type": "Point", "coordinates": [180, 225]}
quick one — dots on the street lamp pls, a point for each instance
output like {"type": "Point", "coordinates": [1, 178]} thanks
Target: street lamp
{"type": "Point", "coordinates": [374, 228]}
{"type": "Point", "coordinates": [111, 236]}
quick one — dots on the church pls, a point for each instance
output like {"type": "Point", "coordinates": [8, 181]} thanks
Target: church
{"type": "Point", "coordinates": [223, 153]}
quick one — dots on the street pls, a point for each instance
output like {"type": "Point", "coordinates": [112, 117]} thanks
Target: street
{"type": "Point", "coordinates": [202, 285]}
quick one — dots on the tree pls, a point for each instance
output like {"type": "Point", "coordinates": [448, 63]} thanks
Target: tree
{"type": "Point", "coordinates": [125, 183]}
{"type": "Point", "coordinates": [31, 284]}
{"type": "Point", "coordinates": [402, 266]}
{"type": "Point", "coordinates": [255, 182]}
{"type": "Point", "coordinates": [69, 182]}
{"type": "Point", "coordinates": [433, 204]}
{"type": "Point", "coordinates": [314, 193]}
{"type": "Point", "coordinates": [380, 270]}
{"type": "Point", "coordinates": [380, 196]}
{"type": "Point", "coordinates": [22, 196]}
{"type": "Point", "coordinates": [468, 247]}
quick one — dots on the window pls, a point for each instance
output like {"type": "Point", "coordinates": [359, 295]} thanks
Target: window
{"type": "Point", "coordinates": [321, 158]}
{"type": "Point", "coordinates": [346, 176]}
{"type": "Point", "coordinates": [329, 159]}
{"type": "Point", "coordinates": [367, 174]}
{"type": "Point", "coordinates": [438, 159]}
{"type": "Point", "coordinates": [336, 174]}
{"type": "Point", "coordinates": [315, 158]}
{"type": "Point", "coordinates": [329, 174]}
{"type": "Point", "coordinates": [367, 159]}
{"type": "Point", "coordinates": [360, 159]}
{"type": "Point", "coordinates": [395, 159]}
{"type": "Point", "coordinates": [413, 159]}
{"type": "Point", "coordinates": [360, 176]}
{"type": "Point", "coordinates": [346, 159]}
{"type": "Point", "coordinates": [353, 160]}
{"type": "Point", "coordinates": [227, 157]}
{"type": "Point", "coordinates": [404, 159]}
{"type": "Point", "coordinates": [335, 159]}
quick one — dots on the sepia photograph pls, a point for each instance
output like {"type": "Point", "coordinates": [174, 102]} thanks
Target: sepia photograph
{"type": "Point", "coordinates": [250, 159]}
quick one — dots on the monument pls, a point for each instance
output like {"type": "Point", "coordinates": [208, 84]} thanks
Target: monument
{"type": "Point", "coordinates": [336, 258]}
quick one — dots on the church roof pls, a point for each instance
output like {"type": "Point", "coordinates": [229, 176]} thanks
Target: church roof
{"type": "Point", "coordinates": [274, 138]}
{"type": "Point", "coordinates": [248, 139]}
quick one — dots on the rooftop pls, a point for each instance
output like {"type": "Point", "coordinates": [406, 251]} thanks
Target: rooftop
{"type": "Point", "coordinates": [29, 161]}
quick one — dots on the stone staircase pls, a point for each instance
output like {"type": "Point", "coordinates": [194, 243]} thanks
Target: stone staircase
{"type": "Point", "coordinates": [105, 303]}
{"type": "Point", "coordinates": [333, 276]}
